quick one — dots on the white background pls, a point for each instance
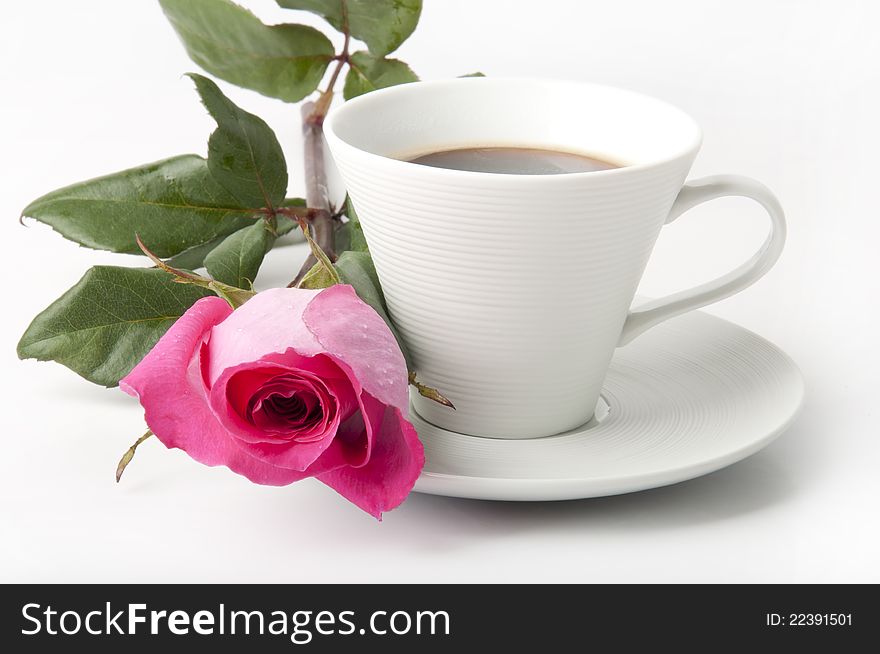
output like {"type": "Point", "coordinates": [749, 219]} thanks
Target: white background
{"type": "Point", "coordinates": [786, 91]}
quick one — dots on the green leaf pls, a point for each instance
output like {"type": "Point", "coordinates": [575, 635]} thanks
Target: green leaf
{"type": "Point", "coordinates": [342, 238]}
{"type": "Point", "coordinates": [281, 61]}
{"type": "Point", "coordinates": [382, 24]}
{"type": "Point", "coordinates": [319, 276]}
{"type": "Point", "coordinates": [103, 326]}
{"type": "Point", "coordinates": [356, 269]}
{"type": "Point", "coordinates": [174, 204]}
{"type": "Point", "coordinates": [244, 155]}
{"type": "Point", "coordinates": [477, 74]}
{"type": "Point", "coordinates": [194, 257]}
{"type": "Point", "coordinates": [285, 224]}
{"type": "Point", "coordinates": [234, 295]}
{"type": "Point", "coordinates": [237, 259]}
{"type": "Point", "coordinates": [367, 73]}
{"type": "Point", "coordinates": [322, 260]}
{"type": "Point", "coordinates": [357, 240]}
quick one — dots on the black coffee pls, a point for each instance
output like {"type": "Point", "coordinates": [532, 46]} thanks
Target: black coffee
{"type": "Point", "coordinates": [516, 161]}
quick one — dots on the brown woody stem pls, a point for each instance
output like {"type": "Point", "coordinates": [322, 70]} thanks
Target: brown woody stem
{"type": "Point", "coordinates": [317, 196]}
{"type": "Point", "coordinates": [321, 212]}
{"type": "Point", "coordinates": [293, 212]}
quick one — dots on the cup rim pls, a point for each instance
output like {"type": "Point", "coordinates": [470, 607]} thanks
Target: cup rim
{"type": "Point", "coordinates": [364, 101]}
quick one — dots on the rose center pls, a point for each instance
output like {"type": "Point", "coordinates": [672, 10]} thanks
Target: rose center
{"type": "Point", "coordinates": [296, 410]}
{"type": "Point", "coordinates": [291, 408]}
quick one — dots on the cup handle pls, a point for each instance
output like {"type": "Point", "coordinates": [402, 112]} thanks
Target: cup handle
{"type": "Point", "coordinates": [693, 193]}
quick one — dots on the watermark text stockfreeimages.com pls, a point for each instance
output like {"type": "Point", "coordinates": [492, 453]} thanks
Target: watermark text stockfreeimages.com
{"type": "Point", "coordinates": [300, 626]}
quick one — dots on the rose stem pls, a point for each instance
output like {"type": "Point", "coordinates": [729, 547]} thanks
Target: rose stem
{"type": "Point", "coordinates": [317, 194]}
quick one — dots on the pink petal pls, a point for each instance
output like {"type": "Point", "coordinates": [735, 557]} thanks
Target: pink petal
{"type": "Point", "coordinates": [277, 451]}
{"type": "Point", "coordinates": [169, 384]}
{"type": "Point", "coordinates": [270, 322]}
{"type": "Point", "coordinates": [375, 457]}
{"type": "Point", "coordinates": [355, 334]}
{"type": "Point", "coordinates": [396, 459]}
{"type": "Point", "coordinates": [236, 386]}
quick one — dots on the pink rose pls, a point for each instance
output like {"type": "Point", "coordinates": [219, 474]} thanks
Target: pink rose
{"type": "Point", "coordinates": [295, 383]}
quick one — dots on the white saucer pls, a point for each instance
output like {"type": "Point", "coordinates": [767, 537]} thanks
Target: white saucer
{"type": "Point", "coordinates": [689, 397]}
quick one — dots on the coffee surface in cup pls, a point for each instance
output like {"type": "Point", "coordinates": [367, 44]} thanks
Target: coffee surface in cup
{"type": "Point", "coordinates": [516, 161]}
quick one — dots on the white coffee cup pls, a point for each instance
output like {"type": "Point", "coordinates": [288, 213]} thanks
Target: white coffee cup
{"type": "Point", "coordinates": [512, 291]}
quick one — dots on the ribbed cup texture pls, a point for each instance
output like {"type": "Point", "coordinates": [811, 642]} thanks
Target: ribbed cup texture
{"type": "Point", "coordinates": [510, 293]}
{"type": "Point", "coordinates": [690, 396]}
{"type": "Point", "coordinates": [510, 290]}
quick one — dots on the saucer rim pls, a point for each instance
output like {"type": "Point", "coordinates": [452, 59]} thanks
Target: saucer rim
{"type": "Point", "coordinates": [561, 488]}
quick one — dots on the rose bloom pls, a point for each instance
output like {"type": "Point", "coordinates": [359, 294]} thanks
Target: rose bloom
{"type": "Point", "coordinates": [295, 383]}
